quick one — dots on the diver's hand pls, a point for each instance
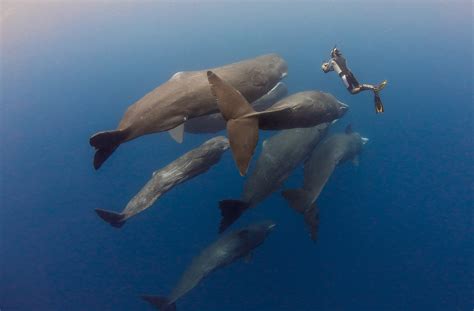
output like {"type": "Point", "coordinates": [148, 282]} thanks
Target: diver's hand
{"type": "Point", "coordinates": [325, 67]}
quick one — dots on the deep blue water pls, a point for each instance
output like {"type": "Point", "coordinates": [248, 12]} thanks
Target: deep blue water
{"type": "Point", "coordinates": [396, 232]}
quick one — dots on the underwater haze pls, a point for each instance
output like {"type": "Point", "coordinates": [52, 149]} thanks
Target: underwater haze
{"type": "Point", "coordinates": [396, 232]}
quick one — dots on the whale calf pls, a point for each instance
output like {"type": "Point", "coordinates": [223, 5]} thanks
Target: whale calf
{"type": "Point", "coordinates": [224, 251]}
{"type": "Point", "coordinates": [335, 150]}
{"type": "Point", "coordinates": [214, 122]}
{"type": "Point", "coordinates": [303, 109]}
{"type": "Point", "coordinates": [185, 96]}
{"type": "Point", "coordinates": [189, 165]}
{"type": "Point", "coordinates": [280, 155]}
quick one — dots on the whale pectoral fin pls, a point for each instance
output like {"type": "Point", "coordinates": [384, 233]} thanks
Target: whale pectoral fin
{"type": "Point", "coordinates": [248, 257]}
{"type": "Point", "coordinates": [243, 138]}
{"type": "Point", "coordinates": [161, 303]}
{"type": "Point", "coordinates": [177, 133]}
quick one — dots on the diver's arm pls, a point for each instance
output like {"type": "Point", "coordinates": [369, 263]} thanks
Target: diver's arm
{"type": "Point", "coordinates": [326, 67]}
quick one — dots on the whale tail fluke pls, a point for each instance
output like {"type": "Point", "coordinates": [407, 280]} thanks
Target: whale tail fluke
{"type": "Point", "coordinates": [300, 201]}
{"type": "Point", "coordinates": [241, 118]}
{"type": "Point", "coordinates": [160, 303]}
{"type": "Point", "coordinates": [105, 144]}
{"type": "Point", "coordinates": [231, 210]}
{"type": "Point", "coordinates": [116, 220]}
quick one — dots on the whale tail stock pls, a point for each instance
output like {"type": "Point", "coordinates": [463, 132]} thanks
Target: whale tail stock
{"type": "Point", "coordinates": [300, 201]}
{"type": "Point", "coordinates": [242, 123]}
{"type": "Point", "coordinates": [231, 210]}
{"type": "Point", "coordinates": [116, 220]}
{"type": "Point", "coordinates": [161, 303]}
{"type": "Point", "coordinates": [105, 144]}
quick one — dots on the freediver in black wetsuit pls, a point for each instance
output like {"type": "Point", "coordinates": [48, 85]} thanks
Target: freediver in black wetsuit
{"type": "Point", "coordinates": [338, 64]}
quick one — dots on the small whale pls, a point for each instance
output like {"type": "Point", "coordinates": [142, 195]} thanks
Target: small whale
{"type": "Point", "coordinates": [280, 155]}
{"type": "Point", "coordinates": [189, 165]}
{"type": "Point", "coordinates": [213, 123]}
{"type": "Point", "coordinates": [335, 150]}
{"type": "Point", "coordinates": [222, 252]}
{"type": "Point", "coordinates": [303, 109]}
{"type": "Point", "coordinates": [185, 96]}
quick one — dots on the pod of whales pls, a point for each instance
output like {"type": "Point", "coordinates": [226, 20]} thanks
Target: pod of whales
{"type": "Point", "coordinates": [208, 101]}
{"type": "Point", "coordinates": [304, 109]}
{"type": "Point", "coordinates": [335, 150]}
{"type": "Point", "coordinates": [185, 96]}
{"type": "Point", "coordinates": [213, 123]}
{"type": "Point", "coordinates": [279, 157]}
{"type": "Point", "coordinates": [224, 251]}
{"type": "Point", "coordinates": [189, 165]}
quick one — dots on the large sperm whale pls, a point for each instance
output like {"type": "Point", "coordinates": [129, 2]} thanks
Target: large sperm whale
{"type": "Point", "coordinates": [189, 165]}
{"type": "Point", "coordinates": [335, 150]}
{"type": "Point", "coordinates": [185, 96]}
{"type": "Point", "coordinates": [224, 251]}
{"type": "Point", "coordinates": [280, 155]}
{"type": "Point", "coordinates": [303, 109]}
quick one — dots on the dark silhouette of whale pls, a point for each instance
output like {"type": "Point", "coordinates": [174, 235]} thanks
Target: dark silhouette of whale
{"type": "Point", "coordinates": [303, 109]}
{"type": "Point", "coordinates": [224, 251]}
{"type": "Point", "coordinates": [185, 96]}
{"type": "Point", "coordinates": [189, 165]}
{"type": "Point", "coordinates": [280, 155]}
{"type": "Point", "coordinates": [335, 150]}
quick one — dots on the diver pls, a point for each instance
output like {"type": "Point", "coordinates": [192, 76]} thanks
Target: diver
{"type": "Point", "coordinates": [338, 64]}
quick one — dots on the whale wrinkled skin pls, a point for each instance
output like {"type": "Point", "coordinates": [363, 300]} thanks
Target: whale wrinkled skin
{"type": "Point", "coordinates": [189, 165]}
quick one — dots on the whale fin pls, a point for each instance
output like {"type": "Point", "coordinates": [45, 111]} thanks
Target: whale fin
{"type": "Point", "coordinates": [161, 303]}
{"type": "Point", "coordinates": [242, 130]}
{"type": "Point", "coordinates": [231, 103]}
{"type": "Point", "coordinates": [114, 219]}
{"type": "Point", "coordinates": [231, 210]}
{"type": "Point", "coordinates": [299, 199]}
{"type": "Point", "coordinates": [243, 138]}
{"type": "Point", "coordinates": [177, 133]}
{"type": "Point", "coordinates": [105, 144]}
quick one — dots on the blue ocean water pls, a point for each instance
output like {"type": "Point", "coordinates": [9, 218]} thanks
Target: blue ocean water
{"type": "Point", "coordinates": [396, 232]}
